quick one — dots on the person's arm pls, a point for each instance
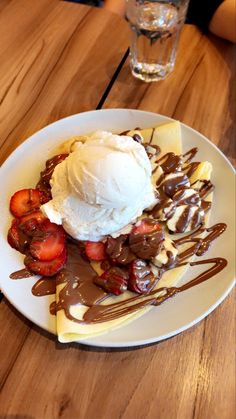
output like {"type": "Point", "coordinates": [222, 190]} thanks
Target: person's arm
{"type": "Point", "coordinates": [223, 22]}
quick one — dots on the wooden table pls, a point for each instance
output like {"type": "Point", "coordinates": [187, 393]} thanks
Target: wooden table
{"type": "Point", "coordinates": [59, 58]}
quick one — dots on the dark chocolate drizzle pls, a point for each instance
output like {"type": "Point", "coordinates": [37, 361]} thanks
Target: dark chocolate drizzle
{"type": "Point", "coordinates": [44, 182]}
{"type": "Point", "coordinates": [44, 286]}
{"type": "Point", "coordinates": [102, 313]}
{"type": "Point", "coordinates": [78, 278]}
{"type": "Point", "coordinates": [21, 274]}
{"type": "Point", "coordinates": [80, 289]}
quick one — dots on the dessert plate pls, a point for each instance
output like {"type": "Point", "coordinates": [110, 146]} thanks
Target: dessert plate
{"type": "Point", "coordinates": [21, 170]}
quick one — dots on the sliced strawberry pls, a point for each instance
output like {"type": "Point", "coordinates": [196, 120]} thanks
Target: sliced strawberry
{"type": "Point", "coordinates": [46, 268]}
{"type": "Point", "coordinates": [146, 226]}
{"type": "Point", "coordinates": [95, 250]}
{"type": "Point", "coordinates": [52, 227]}
{"type": "Point", "coordinates": [114, 280]}
{"type": "Point", "coordinates": [141, 278]}
{"type": "Point", "coordinates": [30, 223]}
{"type": "Point", "coordinates": [36, 215]}
{"type": "Point", "coordinates": [29, 227]}
{"type": "Point", "coordinates": [48, 242]}
{"type": "Point", "coordinates": [47, 246]}
{"type": "Point", "coordinates": [16, 238]}
{"type": "Point", "coordinates": [24, 202]}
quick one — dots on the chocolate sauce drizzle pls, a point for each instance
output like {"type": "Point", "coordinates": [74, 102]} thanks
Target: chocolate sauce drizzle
{"type": "Point", "coordinates": [102, 313]}
{"type": "Point", "coordinates": [79, 288]}
{"type": "Point", "coordinates": [175, 192]}
{"type": "Point", "coordinates": [75, 284]}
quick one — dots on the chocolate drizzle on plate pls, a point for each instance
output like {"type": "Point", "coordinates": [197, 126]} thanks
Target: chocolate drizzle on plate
{"type": "Point", "coordinates": [76, 283]}
{"type": "Point", "coordinates": [22, 273]}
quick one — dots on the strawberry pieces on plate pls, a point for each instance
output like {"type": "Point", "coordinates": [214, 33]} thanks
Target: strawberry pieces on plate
{"type": "Point", "coordinates": [141, 278]}
{"type": "Point", "coordinates": [25, 201]}
{"type": "Point", "coordinates": [31, 233]}
{"type": "Point", "coordinates": [146, 226]}
{"type": "Point", "coordinates": [95, 251]}
{"type": "Point", "coordinates": [31, 222]}
{"type": "Point", "coordinates": [48, 242]}
{"type": "Point", "coordinates": [46, 268]}
{"type": "Point", "coordinates": [16, 238]}
{"type": "Point", "coordinates": [114, 280]}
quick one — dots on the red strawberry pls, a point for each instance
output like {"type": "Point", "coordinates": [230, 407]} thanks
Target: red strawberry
{"type": "Point", "coordinates": [30, 223]}
{"type": "Point", "coordinates": [17, 239]}
{"type": "Point", "coordinates": [53, 228]}
{"type": "Point", "coordinates": [48, 242]}
{"type": "Point", "coordinates": [141, 278]}
{"type": "Point", "coordinates": [24, 202]}
{"type": "Point", "coordinates": [146, 239]}
{"type": "Point", "coordinates": [146, 226]}
{"type": "Point", "coordinates": [114, 281]}
{"type": "Point", "coordinates": [46, 268]}
{"type": "Point", "coordinates": [95, 250]}
{"type": "Point", "coordinates": [37, 215]}
{"type": "Point", "coordinates": [118, 250]}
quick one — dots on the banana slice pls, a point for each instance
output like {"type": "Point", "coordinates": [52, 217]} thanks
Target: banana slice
{"type": "Point", "coordinates": [202, 172]}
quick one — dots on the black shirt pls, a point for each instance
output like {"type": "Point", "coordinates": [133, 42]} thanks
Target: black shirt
{"type": "Point", "coordinates": [199, 12]}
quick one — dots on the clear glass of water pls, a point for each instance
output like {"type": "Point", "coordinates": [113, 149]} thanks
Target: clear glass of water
{"type": "Point", "coordinates": [155, 26]}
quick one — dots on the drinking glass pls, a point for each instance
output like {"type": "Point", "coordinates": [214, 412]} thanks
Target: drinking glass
{"type": "Point", "coordinates": [155, 27]}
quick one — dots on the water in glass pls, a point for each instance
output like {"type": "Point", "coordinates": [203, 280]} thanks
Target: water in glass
{"type": "Point", "coordinates": [155, 32]}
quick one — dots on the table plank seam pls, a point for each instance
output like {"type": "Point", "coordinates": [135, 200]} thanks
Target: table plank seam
{"type": "Point", "coordinates": [46, 80]}
{"type": "Point", "coordinates": [4, 380]}
{"type": "Point", "coordinates": [30, 67]}
{"type": "Point", "coordinates": [187, 83]}
{"type": "Point", "coordinates": [199, 367]}
{"type": "Point", "coordinates": [10, 85]}
{"type": "Point", "coordinates": [114, 77]}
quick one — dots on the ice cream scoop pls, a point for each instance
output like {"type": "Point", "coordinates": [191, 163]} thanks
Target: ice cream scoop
{"type": "Point", "coordinates": [101, 187]}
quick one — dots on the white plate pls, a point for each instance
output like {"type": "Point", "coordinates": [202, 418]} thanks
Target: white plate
{"type": "Point", "coordinates": [22, 169]}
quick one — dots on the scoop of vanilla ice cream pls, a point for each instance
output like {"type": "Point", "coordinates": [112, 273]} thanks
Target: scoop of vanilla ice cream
{"type": "Point", "coordinates": [102, 186]}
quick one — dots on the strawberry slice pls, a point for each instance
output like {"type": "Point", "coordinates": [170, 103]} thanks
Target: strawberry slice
{"type": "Point", "coordinates": [24, 202]}
{"type": "Point", "coordinates": [30, 223]}
{"type": "Point", "coordinates": [146, 226]}
{"type": "Point", "coordinates": [114, 280]}
{"type": "Point", "coordinates": [16, 238]}
{"type": "Point", "coordinates": [48, 242]}
{"type": "Point", "coordinates": [46, 268]}
{"type": "Point", "coordinates": [95, 251]}
{"type": "Point", "coordinates": [53, 228]}
{"type": "Point", "coordinates": [141, 277]}
{"type": "Point", "coordinates": [36, 215]}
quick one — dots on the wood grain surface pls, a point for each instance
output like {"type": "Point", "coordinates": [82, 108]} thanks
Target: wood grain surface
{"type": "Point", "coordinates": [59, 58]}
